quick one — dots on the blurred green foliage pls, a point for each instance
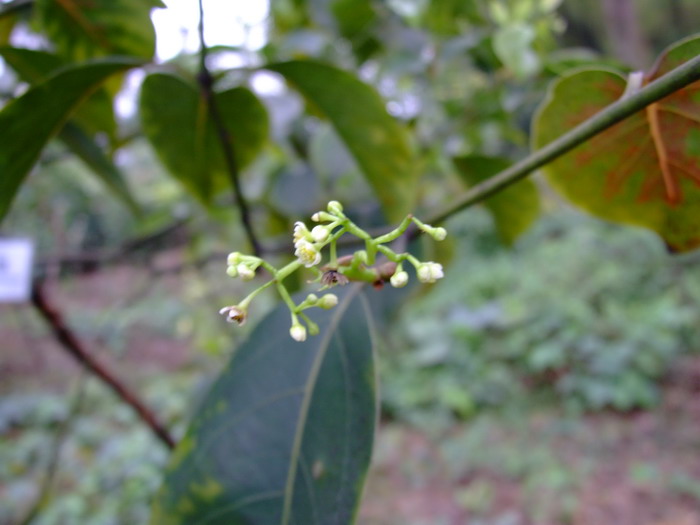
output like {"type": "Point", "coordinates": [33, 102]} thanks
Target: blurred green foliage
{"type": "Point", "coordinates": [581, 313]}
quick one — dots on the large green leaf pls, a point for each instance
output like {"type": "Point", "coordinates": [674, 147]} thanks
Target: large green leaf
{"type": "Point", "coordinates": [515, 208]}
{"type": "Point", "coordinates": [644, 170]}
{"type": "Point", "coordinates": [285, 434]}
{"type": "Point", "coordinates": [176, 121]}
{"type": "Point", "coordinates": [82, 29]}
{"type": "Point", "coordinates": [96, 114]}
{"type": "Point", "coordinates": [28, 122]}
{"type": "Point", "coordinates": [379, 144]}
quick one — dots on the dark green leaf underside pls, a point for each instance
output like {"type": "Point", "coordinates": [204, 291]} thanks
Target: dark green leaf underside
{"type": "Point", "coordinates": [285, 434]}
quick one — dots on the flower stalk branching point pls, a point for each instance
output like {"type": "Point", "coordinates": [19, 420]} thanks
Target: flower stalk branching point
{"type": "Point", "coordinates": [362, 265]}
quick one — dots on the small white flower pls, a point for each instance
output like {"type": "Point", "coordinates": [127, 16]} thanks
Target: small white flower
{"type": "Point", "coordinates": [234, 314]}
{"type": "Point", "coordinates": [399, 279]}
{"type": "Point", "coordinates": [430, 272]}
{"type": "Point", "coordinates": [320, 233]}
{"type": "Point", "coordinates": [298, 332]}
{"type": "Point", "coordinates": [307, 254]}
{"type": "Point", "coordinates": [246, 272]}
{"type": "Point", "coordinates": [301, 232]}
{"type": "Point", "coordinates": [328, 301]}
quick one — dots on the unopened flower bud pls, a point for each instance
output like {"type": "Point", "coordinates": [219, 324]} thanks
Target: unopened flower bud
{"type": "Point", "coordinates": [246, 272]}
{"type": "Point", "coordinates": [439, 233]}
{"type": "Point", "coordinates": [399, 279]}
{"type": "Point", "coordinates": [231, 271]}
{"type": "Point", "coordinates": [233, 258]}
{"type": "Point", "coordinates": [312, 298]}
{"type": "Point", "coordinates": [320, 233]}
{"type": "Point", "coordinates": [335, 208]}
{"type": "Point", "coordinates": [298, 332]}
{"type": "Point", "coordinates": [328, 301]}
{"type": "Point", "coordinates": [429, 272]}
{"type": "Point", "coordinates": [316, 217]}
{"type": "Point", "coordinates": [313, 327]}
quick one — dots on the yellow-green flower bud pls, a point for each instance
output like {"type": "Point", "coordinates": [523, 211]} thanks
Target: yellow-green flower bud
{"type": "Point", "coordinates": [335, 208]}
{"type": "Point", "coordinates": [439, 233]}
{"type": "Point", "coordinates": [328, 301]}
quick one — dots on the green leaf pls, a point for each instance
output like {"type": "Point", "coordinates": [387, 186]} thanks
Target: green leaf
{"type": "Point", "coordinates": [95, 115]}
{"type": "Point", "coordinates": [644, 170]}
{"type": "Point", "coordinates": [28, 122]}
{"type": "Point", "coordinates": [513, 46]}
{"type": "Point", "coordinates": [285, 434]}
{"type": "Point", "coordinates": [176, 121]}
{"type": "Point", "coordinates": [82, 29]}
{"type": "Point", "coordinates": [515, 208]}
{"type": "Point", "coordinates": [379, 144]}
{"type": "Point", "coordinates": [356, 20]}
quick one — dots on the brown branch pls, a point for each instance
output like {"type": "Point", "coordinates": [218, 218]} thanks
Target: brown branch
{"type": "Point", "coordinates": [88, 261]}
{"type": "Point", "coordinates": [206, 83]}
{"type": "Point", "coordinates": [75, 347]}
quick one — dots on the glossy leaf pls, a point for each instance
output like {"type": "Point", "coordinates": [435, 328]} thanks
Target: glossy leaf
{"type": "Point", "coordinates": [82, 29]}
{"type": "Point", "coordinates": [515, 208]}
{"type": "Point", "coordinates": [96, 114]}
{"type": "Point", "coordinates": [378, 143]}
{"type": "Point", "coordinates": [285, 434]}
{"type": "Point", "coordinates": [176, 121]}
{"type": "Point", "coordinates": [644, 170]}
{"type": "Point", "coordinates": [28, 122]}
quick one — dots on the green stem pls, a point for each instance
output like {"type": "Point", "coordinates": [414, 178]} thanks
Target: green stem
{"type": "Point", "coordinates": [673, 81]}
{"type": "Point", "coordinates": [396, 232]}
{"type": "Point", "coordinates": [333, 263]}
{"type": "Point", "coordinates": [285, 271]}
{"type": "Point", "coordinates": [284, 294]}
{"type": "Point", "coordinates": [244, 303]}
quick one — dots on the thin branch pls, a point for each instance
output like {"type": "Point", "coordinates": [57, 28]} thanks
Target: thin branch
{"type": "Point", "coordinates": [75, 347]}
{"type": "Point", "coordinates": [673, 81]}
{"type": "Point", "coordinates": [85, 262]}
{"type": "Point", "coordinates": [206, 83]}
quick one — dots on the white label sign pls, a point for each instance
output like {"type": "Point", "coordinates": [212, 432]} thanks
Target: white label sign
{"type": "Point", "coordinates": [15, 269]}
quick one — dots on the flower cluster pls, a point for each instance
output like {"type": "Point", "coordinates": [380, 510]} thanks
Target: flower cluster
{"type": "Point", "coordinates": [360, 266]}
